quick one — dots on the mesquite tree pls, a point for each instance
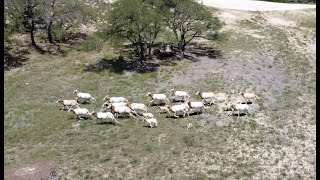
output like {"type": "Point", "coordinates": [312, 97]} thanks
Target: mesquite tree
{"type": "Point", "coordinates": [188, 19]}
{"type": "Point", "coordinates": [30, 12]}
{"type": "Point", "coordinates": [135, 21]}
{"type": "Point", "coordinates": [54, 16]}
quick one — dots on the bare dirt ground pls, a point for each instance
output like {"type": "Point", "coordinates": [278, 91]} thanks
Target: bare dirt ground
{"type": "Point", "coordinates": [40, 170]}
{"type": "Point", "coordinates": [252, 5]}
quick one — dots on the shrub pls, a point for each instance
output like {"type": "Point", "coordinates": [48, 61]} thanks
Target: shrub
{"type": "Point", "coordinates": [92, 43]}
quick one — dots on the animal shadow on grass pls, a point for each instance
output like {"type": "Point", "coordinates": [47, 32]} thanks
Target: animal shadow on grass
{"type": "Point", "coordinates": [172, 117]}
{"type": "Point", "coordinates": [105, 123]}
{"type": "Point", "coordinates": [177, 100]}
{"type": "Point", "coordinates": [147, 126]}
{"type": "Point", "coordinates": [77, 119]}
{"type": "Point", "coordinates": [249, 102]}
{"type": "Point", "coordinates": [236, 114]}
{"type": "Point", "coordinates": [163, 112]}
{"type": "Point", "coordinates": [84, 102]}
{"type": "Point", "coordinates": [65, 109]}
{"type": "Point", "coordinates": [195, 113]}
{"type": "Point", "coordinates": [157, 104]}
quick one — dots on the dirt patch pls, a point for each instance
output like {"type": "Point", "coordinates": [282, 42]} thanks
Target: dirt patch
{"type": "Point", "coordinates": [40, 170]}
{"type": "Point", "coordinates": [277, 21]}
{"type": "Point", "coordinates": [202, 68]}
{"type": "Point", "coordinates": [249, 5]}
{"type": "Point", "coordinates": [230, 17]}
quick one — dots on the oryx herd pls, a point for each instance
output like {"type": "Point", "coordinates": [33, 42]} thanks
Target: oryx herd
{"type": "Point", "coordinates": [179, 105]}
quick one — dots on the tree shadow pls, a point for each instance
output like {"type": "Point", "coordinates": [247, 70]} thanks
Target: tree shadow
{"type": "Point", "coordinates": [12, 61]}
{"type": "Point", "coordinates": [120, 65]}
{"type": "Point", "coordinates": [162, 58]}
{"type": "Point", "coordinates": [190, 57]}
{"type": "Point", "coordinates": [193, 50]}
{"type": "Point", "coordinates": [62, 45]}
{"type": "Point", "coordinates": [200, 50]}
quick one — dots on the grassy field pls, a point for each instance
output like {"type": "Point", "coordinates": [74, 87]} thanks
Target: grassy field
{"type": "Point", "coordinates": [277, 142]}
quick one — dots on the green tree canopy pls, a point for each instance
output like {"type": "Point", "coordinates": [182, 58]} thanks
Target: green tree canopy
{"type": "Point", "coordinates": [135, 21]}
{"type": "Point", "coordinates": [188, 19]}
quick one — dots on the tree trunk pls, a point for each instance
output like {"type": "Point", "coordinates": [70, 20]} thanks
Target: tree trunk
{"type": "Point", "coordinates": [141, 53]}
{"type": "Point", "coordinates": [184, 45]}
{"type": "Point", "coordinates": [136, 51]}
{"type": "Point", "coordinates": [33, 42]}
{"type": "Point", "coordinates": [181, 47]}
{"type": "Point", "coordinates": [182, 50]}
{"type": "Point", "coordinates": [150, 49]}
{"type": "Point", "coordinates": [49, 31]}
{"type": "Point", "coordinates": [181, 44]}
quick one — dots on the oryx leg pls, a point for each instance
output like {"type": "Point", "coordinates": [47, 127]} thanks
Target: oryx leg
{"type": "Point", "coordinates": [150, 102]}
{"type": "Point", "coordinates": [115, 120]}
{"type": "Point", "coordinates": [132, 115]}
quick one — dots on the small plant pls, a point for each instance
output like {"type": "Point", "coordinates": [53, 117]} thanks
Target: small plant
{"type": "Point", "coordinates": [189, 140]}
{"type": "Point", "coordinates": [105, 159]}
{"type": "Point", "coordinates": [170, 170]}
